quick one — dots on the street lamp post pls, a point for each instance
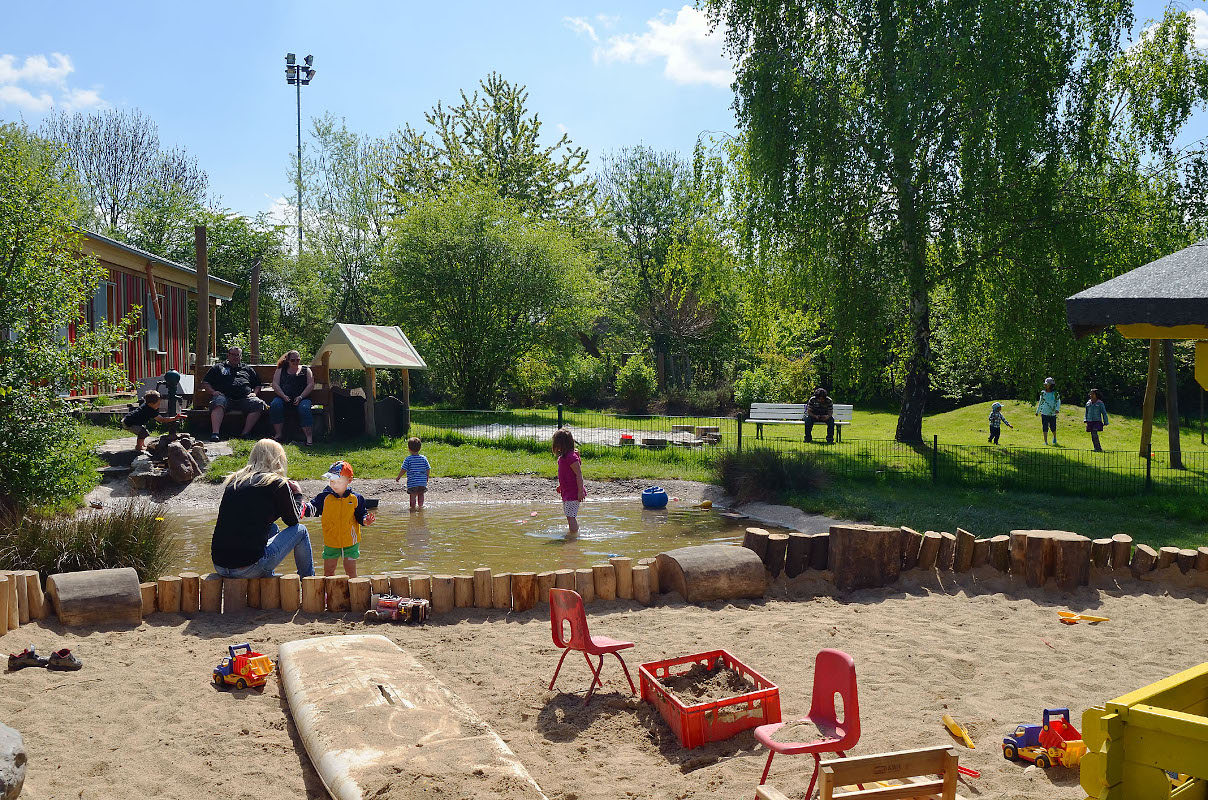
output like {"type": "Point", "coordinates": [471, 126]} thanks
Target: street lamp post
{"type": "Point", "coordinates": [299, 75]}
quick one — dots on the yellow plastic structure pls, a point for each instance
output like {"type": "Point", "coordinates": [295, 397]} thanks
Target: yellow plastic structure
{"type": "Point", "coordinates": [1134, 739]}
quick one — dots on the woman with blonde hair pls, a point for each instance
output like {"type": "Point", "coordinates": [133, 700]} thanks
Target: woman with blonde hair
{"type": "Point", "coordinates": [247, 542]}
{"type": "Point", "coordinates": [292, 384]}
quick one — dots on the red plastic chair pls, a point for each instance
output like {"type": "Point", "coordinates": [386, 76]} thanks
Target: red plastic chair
{"type": "Point", "coordinates": [834, 674]}
{"type": "Point", "coordinates": [567, 606]}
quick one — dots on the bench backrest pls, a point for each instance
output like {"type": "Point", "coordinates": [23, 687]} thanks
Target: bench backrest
{"type": "Point", "coordinates": [842, 412]}
{"type": "Point", "coordinates": [795, 411]}
{"type": "Point", "coordinates": [321, 395]}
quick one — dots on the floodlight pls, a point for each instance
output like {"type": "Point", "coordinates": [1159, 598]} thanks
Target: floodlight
{"type": "Point", "coordinates": [311, 73]}
{"type": "Point", "coordinates": [289, 58]}
{"type": "Point", "coordinates": [309, 60]}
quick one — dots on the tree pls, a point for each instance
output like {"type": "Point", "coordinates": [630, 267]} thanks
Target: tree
{"type": "Point", "coordinates": [479, 285]}
{"type": "Point", "coordinates": [922, 143]}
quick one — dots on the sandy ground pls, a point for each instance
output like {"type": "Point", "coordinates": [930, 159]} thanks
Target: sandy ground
{"type": "Point", "coordinates": [141, 720]}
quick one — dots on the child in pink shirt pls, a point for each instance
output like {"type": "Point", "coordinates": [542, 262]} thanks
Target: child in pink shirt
{"type": "Point", "coordinates": [570, 477]}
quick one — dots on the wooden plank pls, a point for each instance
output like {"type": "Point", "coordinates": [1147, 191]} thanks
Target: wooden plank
{"type": "Point", "coordinates": [905, 791]}
{"type": "Point", "coordinates": [880, 766]}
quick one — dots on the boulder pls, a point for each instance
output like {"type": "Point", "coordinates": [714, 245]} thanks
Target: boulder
{"type": "Point", "coordinates": [12, 763]}
{"type": "Point", "coordinates": [200, 456]}
{"type": "Point", "coordinates": [181, 465]}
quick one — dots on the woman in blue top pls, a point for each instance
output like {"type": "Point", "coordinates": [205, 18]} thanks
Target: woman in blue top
{"type": "Point", "coordinates": [1096, 417]}
{"type": "Point", "coordinates": [1047, 407]}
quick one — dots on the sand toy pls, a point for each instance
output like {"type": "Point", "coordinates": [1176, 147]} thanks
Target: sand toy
{"type": "Point", "coordinates": [958, 731]}
{"type": "Point", "coordinates": [1070, 618]}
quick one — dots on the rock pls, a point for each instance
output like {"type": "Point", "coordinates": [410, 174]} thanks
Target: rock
{"type": "Point", "coordinates": [12, 763]}
{"type": "Point", "coordinates": [181, 465]}
{"type": "Point", "coordinates": [187, 442]}
{"type": "Point", "coordinates": [142, 465]}
{"type": "Point", "coordinates": [200, 455]}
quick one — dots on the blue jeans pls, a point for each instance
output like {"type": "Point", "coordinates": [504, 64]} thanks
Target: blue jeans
{"type": "Point", "coordinates": [276, 412]}
{"type": "Point", "coordinates": [295, 538]}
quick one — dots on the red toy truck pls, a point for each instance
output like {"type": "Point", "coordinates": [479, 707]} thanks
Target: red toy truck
{"type": "Point", "coordinates": [243, 668]}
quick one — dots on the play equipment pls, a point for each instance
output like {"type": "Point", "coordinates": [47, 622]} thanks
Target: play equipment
{"type": "Point", "coordinates": [243, 668]}
{"type": "Point", "coordinates": [1139, 740]}
{"type": "Point", "coordinates": [715, 720]}
{"type": "Point", "coordinates": [958, 731]}
{"type": "Point", "coordinates": [929, 773]}
{"type": "Point", "coordinates": [566, 608]}
{"type": "Point", "coordinates": [1055, 741]}
{"type": "Point", "coordinates": [392, 608]}
{"type": "Point", "coordinates": [834, 676]}
{"type": "Point", "coordinates": [1070, 618]}
{"type": "Point", "coordinates": [654, 497]}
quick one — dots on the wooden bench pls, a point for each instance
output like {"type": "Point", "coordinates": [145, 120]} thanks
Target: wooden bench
{"type": "Point", "coordinates": [841, 778]}
{"type": "Point", "coordinates": [794, 414]}
{"type": "Point", "coordinates": [320, 396]}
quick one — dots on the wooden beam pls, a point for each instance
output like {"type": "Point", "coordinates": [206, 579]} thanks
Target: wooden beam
{"type": "Point", "coordinates": [254, 311]}
{"type": "Point", "coordinates": [406, 393]}
{"type": "Point", "coordinates": [370, 401]}
{"type": "Point", "coordinates": [1172, 405]}
{"type": "Point", "coordinates": [155, 302]}
{"type": "Point", "coordinates": [1151, 394]}
{"type": "Point", "coordinates": [203, 296]}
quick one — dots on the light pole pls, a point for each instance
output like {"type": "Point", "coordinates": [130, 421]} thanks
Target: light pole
{"type": "Point", "coordinates": [299, 75]}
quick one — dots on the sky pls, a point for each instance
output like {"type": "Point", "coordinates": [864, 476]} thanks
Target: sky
{"type": "Point", "coordinates": [212, 75]}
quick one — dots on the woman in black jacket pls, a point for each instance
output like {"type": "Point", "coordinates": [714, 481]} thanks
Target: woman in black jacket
{"type": "Point", "coordinates": [247, 542]}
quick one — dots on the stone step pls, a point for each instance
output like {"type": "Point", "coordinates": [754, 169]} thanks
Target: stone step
{"type": "Point", "coordinates": [113, 471]}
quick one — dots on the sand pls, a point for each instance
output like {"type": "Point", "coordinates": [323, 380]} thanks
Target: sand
{"type": "Point", "coordinates": [142, 720]}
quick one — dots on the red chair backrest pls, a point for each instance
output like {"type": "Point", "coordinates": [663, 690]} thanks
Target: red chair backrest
{"type": "Point", "coordinates": [835, 674]}
{"type": "Point", "coordinates": [567, 606]}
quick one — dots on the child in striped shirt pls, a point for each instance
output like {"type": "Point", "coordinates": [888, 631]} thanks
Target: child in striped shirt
{"type": "Point", "coordinates": [418, 470]}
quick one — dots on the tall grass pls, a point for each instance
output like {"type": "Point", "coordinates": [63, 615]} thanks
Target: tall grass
{"type": "Point", "coordinates": [132, 534]}
{"type": "Point", "coordinates": [764, 474]}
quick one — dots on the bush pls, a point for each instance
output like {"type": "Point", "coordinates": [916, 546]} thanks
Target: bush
{"type": "Point", "coordinates": [580, 381]}
{"type": "Point", "coordinates": [777, 380]}
{"type": "Point", "coordinates": [46, 461]}
{"type": "Point", "coordinates": [533, 379]}
{"type": "Point", "coordinates": [129, 535]}
{"type": "Point", "coordinates": [636, 383]}
{"type": "Point", "coordinates": [762, 474]}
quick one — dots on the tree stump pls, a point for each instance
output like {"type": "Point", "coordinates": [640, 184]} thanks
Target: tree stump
{"type": "Point", "coordinates": [1144, 558]}
{"type": "Point", "coordinates": [524, 590]}
{"type": "Point", "coordinates": [756, 540]}
{"type": "Point", "coordinates": [1186, 560]}
{"type": "Point", "coordinates": [482, 587]}
{"type": "Point", "coordinates": [312, 595]}
{"type": "Point", "coordinates": [796, 554]}
{"type": "Point", "coordinates": [463, 591]}
{"type": "Point", "coordinates": [962, 561]}
{"type": "Point", "coordinates": [17, 577]}
{"type": "Point", "coordinates": [981, 553]}
{"type": "Point", "coordinates": [4, 579]}
{"type": "Point", "coordinates": [778, 545]}
{"type": "Point", "coordinates": [820, 551]}
{"type": "Point", "coordinates": [641, 584]}
{"type": "Point", "coordinates": [929, 550]}
{"type": "Point", "coordinates": [1166, 556]}
{"type": "Point", "coordinates": [585, 584]}
{"type": "Point", "coordinates": [211, 593]}
{"type": "Point", "coordinates": [1019, 552]}
{"type": "Point", "coordinates": [1038, 555]}
{"type": "Point", "coordinates": [946, 557]}
{"type": "Point", "coordinates": [168, 594]}
{"type": "Point", "coordinates": [359, 590]}
{"type": "Point", "coordinates": [290, 586]}
{"type": "Point", "coordinates": [443, 597]}
{"type": "Point", "coordinates": [190, 593]}
{"type": "Point", "coordinates": [545, 582]}
{"type": "Point", "coordinates": [400, 585]}
{"type": "Point", "coordinates": [270, 592]}
{"type": "Point", "coordinates": [33, 590]}
{"type": "Point", "coordinates": [712, 572]}
{"type": "Point", "coordinates": [149, 592]}
{"type": "Point", "coordinates": [1101, 553]}
{"type": "Point", "coordinates": [380, 584]}
{"type": "Point", "coordinates": [864, 556]}
{"type": "Point", "coordinates": [253, 593]}
{"type": "Point", "coordinates": [564, 579]}
{"type": "Point", "coordinates": [1121, 550]}
{"type": "Point", "coordinates": [14, 600]}
{"type": "Point", "coordinates": [1201, 559]}
{"type": "Point", "coordinates": [1000, 552]}
{"type": "Point", "coordinates": [93, 597]}
{"type": "Point", "coordinates": [234, 595]}
{"type": "Point", "coordinates": [653, 575]}
{"type": "Point", "coordinates": [1072, 561]}
{"type": "Point", "coordinates": [336, 588]}
{"type": "Point", "coordinates": [605, 581]}
{"type": "Point", "coordinates": [421, 587]}
{"type": "Point", "coordinates": [623, 567]}
{"type": "Point", "coordinates": [501, 591]}
{"type": "Point", "coordinates": [912, 542]}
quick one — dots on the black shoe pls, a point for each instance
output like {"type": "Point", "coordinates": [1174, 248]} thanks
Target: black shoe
{"type": "Point", "coordinates": [830, 441]}
{"type": "Point", "coordinates": [214, 437]}
{"type": "Point", "coordinates": [64, 660]}
{"type": "Point", "coordinates": [28, 658]}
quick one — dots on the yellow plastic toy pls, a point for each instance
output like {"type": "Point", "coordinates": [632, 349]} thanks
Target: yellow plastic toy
{"type": "Point", "coordinates": [1070, 618]}
{"type": "Point", "coordinates": [958, 731]}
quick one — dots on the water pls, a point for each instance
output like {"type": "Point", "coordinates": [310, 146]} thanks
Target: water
{"type": "Point", "coordinates": [454, 538]}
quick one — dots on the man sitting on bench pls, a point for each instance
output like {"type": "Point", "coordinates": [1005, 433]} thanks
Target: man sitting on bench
{"type": "Point", "coordinates": [819, 408]}
{"type": "Point", "coordinates": [234, 385]}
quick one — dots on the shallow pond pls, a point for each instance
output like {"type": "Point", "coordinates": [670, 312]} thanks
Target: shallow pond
{"type": "Point", "coordinates": [447, 538]}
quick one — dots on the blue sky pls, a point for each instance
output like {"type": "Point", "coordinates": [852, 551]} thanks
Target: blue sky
{"type": "Point", "coordinates": [212, 75]}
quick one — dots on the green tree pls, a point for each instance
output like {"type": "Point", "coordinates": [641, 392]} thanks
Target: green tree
{"type": "Point", "coordinates": [479, 285]}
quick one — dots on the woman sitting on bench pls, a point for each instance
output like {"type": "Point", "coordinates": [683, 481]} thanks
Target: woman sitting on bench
{"type": "Point", "coordinates": [292, 383]}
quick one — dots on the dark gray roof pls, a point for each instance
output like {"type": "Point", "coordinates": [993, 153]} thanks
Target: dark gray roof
{"type": "Point", "coordinates": [134, 251]}
{"type": "Point", "coordinates": [1170, 291]}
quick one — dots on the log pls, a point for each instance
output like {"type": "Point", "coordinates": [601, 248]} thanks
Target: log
{"type": "Point", "coordinates": [712, 572]}
{"type": "Point", "coordinates": [270, 592]}
{"type": "Point", "coordinates": [421, 587]}
{"type": "Point", "coordinates": [1037, 556]}
{"type": "Point", "coordinates": [443, 598]}
{"type": "Point", "coordinates": [564, 579]}
{"type": "Point", "coordinates": [211, 593]}
{"type": "Point", "coordinates": [400, 585]}
{"type": "Point", "coordinates": [312, 595]}
{"type": "Point", "coordinates": [1072, 561]}
{"type": "Point", "coordinates": [94, 597]}
{"type": "Point", "coordinates": [380, 584]}
{"type": "Point", "coordinates": [963, 560]}
{"type": "Point", "coordinates": [501, 590]}
{"type": "Point", "coordinates": [929, 550]}
{"type": "Point", "coordinates": [359, 590]}
{"type": "Point", "coordinates": [33, 590]}
{"type": "Point", "coordinates": [946, 558]}
{"type": "Point", "coordinates": [482, 587]}
{"type": "Point", "coordinates": [641, 584]}
{"type": "Point", "coordinates": [585, 584]}
{"type": "Point", "coordinates": [1121, 550]}
{"type": "Point", "coordinates": [820, 551]}
{"type": "Point", "coordinates": [4, 579]}
{"type": "Point", "coordinates": [912, 541]}
{"type": "Point", "coordinates": [653, 575]}
{"type": "Point", "coordinates": [253, 593]}
{"type": "Point", "coordinates": [796, 554]}
{"type": "Point", "coordinates": [1186, 560]}
{"type": "Point", "coordinates": [168, 594]}
{"type": "Point", "coordinates": [778, 545]}
{"type": "Point", "coordinates": [14, 600]}
{"type": "Point", "coordinates": [336, 589]}
{"type": "Point", "coordinates": [149, 592]}
{"type": "Point", "coordinates": [1019, 552]}
{"type": "Point", "coordinates": [234, 595]}
{"type": "Point", "coordinates": [18, 580]}
{"type": "Point", "coordinates": [1166, 557]}
{"type": "Point", "coordinates": [463, 591]}
{"type": "Point", "coordinates": [981, 553]}
{"type": "Point", "coordinates": [545, 582]}
{"type": "Point", "coordinates": [291, 591]}
{"type": "Point", "coordinates": [756, 540]}
{"type": "Point", "coordinates": [1000, 552]}
{"type": "Point", "coordinates": [1144, 558]}
{"type": "Point", "coordinates": [865, 556]}
{"type": "Point", "coordinates": [190, 593]}
{"type": "Point", "coordinates": [605, 581]}
{"type": "Point", "coordinates": [623, 567]}
{"type": "Point", "coordinates": [1101, 553]}
{"type": "Point", "coordinates": [524, 590]}
{"type": "Point", "coordinates": [1201, 559]}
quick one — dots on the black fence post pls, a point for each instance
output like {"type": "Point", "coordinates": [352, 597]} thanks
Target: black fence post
{"type": "Point", "coordinates": [1149, 474]}
{"type": "Point", "coordinates": [935, 460]}
{"type": "Point", "coordinates": [738, 416]}
{"type": "Point", "coordinates": [559, 416]}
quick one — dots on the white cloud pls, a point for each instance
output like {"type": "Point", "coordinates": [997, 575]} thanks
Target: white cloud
{"type": "Point", "coordinates": [49, 75]}
{"type": "Point", "coordinates": [1199, 21]}
{"type": "Point", "coordinates": [561, 128]}
{"type": "Point", "coordinates": [581, 26]}
{"type": "Point", "coordinates": [683, 43]}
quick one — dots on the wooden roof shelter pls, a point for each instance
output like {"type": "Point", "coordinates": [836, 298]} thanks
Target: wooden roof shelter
{"type": "Point", "coordinates": [369, 348]}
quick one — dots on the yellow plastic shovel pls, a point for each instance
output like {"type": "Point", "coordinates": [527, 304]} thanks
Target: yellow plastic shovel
{"type": "Point", "coordinates": [1070, 618]}
{"type": "Point", "coordinates": [957, 731]}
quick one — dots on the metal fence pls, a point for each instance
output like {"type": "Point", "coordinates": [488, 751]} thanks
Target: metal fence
{"type": "Point", "coordinates": [702, 439]}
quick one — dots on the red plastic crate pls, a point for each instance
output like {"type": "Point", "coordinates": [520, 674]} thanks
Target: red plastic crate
{"type": "Point", "coordinates": [717, 720]}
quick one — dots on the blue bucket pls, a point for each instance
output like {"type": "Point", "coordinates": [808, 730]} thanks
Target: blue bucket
{"type": "Point", "coordinates": [654, 497]}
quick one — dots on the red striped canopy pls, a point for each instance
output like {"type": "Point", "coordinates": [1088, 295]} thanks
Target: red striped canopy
{"type": "Point", "coordinates": [360, 346]}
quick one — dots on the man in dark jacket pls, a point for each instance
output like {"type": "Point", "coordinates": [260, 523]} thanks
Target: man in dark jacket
{"type": "Point", "coordinates": [234, 385]}
{"type": "Point", "coordinates": [820, 409]}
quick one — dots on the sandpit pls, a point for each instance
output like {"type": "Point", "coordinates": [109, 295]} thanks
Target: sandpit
{"type": "Point", "coordinates": [142, 720]}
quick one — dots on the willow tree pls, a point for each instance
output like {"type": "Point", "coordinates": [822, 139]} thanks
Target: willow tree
{"type": "Point", "coordinates": [918, 140]}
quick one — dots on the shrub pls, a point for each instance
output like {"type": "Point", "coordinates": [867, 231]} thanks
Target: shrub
{"type": "Point", "coordinates": [762, 474]}
{"type": "Point", "coordinates": [581, 381]}
{"type": "Point", "coordinates": [533, 379]}
{"type": "Point", "coordinates": [46, 461]}
{"type": "Point", "coordinates": [132, 534]}
{"type": "Point", "coordinates": [636, 383]}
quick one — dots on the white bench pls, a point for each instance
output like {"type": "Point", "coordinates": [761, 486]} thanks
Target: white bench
{"type": "Point", "coordinates": [794, 414]}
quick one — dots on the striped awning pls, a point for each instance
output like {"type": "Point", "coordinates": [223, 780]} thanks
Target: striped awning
{"type": "Point", "coordinates": [360, 346]}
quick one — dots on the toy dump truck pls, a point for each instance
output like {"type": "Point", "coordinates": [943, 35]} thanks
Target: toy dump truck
{"type": "Point", "coordinates": [243, 668]}
{"type": "Point", "coordinates": [1055, 741]}
{"type": "Point", "coordinates": [392, 608]}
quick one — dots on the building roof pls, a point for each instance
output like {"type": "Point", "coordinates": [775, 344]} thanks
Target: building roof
{"type": "Point", "coordinates": [191, 272]}
{"type": "Point", "coordinates": [1169, 292]}
{"type": "Point", "coordinates": [360, 346]}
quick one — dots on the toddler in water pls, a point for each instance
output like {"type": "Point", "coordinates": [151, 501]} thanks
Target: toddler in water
{"type": "Point", "coordinates": [341, 512]}
{"type": "Point", "coordinates": [570, 477]}
{"type": "Point", "coordinates": [418, 471]}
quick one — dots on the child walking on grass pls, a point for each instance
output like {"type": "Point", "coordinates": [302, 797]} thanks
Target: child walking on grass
{"type": "Point", "coordinates": [1096, 417]}
{"type": "Point", "coordinates": [570, 477]}
{"type": "Point", "coordinates": [997, 420]}
{"type": "Point", "coordinates": [418, 471]}
{"type": "Point", "coordinates": [341, 512]}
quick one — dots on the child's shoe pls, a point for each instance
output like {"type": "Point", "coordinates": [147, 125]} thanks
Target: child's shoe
{"type": "Point", "coordinates": [27, 658]}
{"type": "Point", "coordinates": [64, 660]}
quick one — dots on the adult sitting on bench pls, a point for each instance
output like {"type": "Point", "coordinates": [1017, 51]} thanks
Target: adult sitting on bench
{"type": "Point", "coordinates": [819, 408]}
{"type": "Point", "coordinates": [234, 385]}
{"type": "Point", "coordinates": [292, 383]}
